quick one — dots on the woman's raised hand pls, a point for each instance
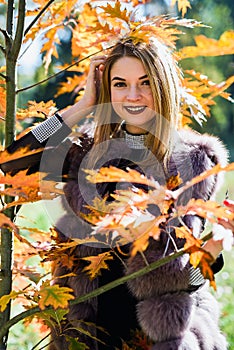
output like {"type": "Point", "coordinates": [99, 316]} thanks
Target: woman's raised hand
{"type": "Point", "coordinates": [94, 80]}
{"type": "Point", "coordinates": [85, 105]}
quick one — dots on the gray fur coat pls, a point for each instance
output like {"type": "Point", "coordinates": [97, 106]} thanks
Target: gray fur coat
{"type": "Point", "coordinates": [173, 317]}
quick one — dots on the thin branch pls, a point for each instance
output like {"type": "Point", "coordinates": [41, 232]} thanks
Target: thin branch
{"type": "Point", "coordinates": [95, 292]}
{"type": "Point", "coordinates": [149, 268]}
{"type": "Point", "coordinates": [3, 49]}
{"type": "Point", "coordinates": [8, 39]}
{"type": "Point", "coordinates": [19, 30]}
{"type": "Point", "coordinates": [58, 73]}
{"type": "Point", "coordinates": [3, 76]}
{"type": "Point", "coordinates": [10, 11]}
{"type": "Point", "coordinates": [38, 16]}
{"type": "Point", "coordinates": [40, 341]}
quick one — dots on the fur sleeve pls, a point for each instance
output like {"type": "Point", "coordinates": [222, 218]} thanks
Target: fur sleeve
{"type": "Point", "coordinates": [195, 153]}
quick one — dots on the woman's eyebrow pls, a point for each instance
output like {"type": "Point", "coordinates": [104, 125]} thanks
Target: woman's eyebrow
{"type": "Point", "coordinates": [143, 77]}
{"type": "Point", "coordinates": [118, 78]}
{"type": "Point", "coordinates": [122, 79]}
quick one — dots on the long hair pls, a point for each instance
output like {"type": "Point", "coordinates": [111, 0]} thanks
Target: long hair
{"type": "Point", "coordinates": [164, 77]}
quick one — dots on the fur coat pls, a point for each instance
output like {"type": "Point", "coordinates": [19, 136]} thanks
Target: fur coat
{"type": "Point", "coordinates": [160, 303]}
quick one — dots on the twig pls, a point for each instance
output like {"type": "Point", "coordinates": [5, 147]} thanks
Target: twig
{"type": "Point", "coordinates": [40, 341]}
{"type": "Point", "coordinates": [3, 76]}
{"type": "Point", "coordinates": [38, 16]}
{"type": "Point", "coordinates": [58, 73]}
{"type": "Point", "coordinates": [3, 49]}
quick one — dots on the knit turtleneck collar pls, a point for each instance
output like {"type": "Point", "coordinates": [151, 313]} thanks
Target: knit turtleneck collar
{"type": "Point", "coordinates": [134, 141]}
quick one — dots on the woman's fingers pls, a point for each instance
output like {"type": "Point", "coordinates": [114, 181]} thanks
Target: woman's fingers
{"type": "Point", "coordinates": [94, 78]}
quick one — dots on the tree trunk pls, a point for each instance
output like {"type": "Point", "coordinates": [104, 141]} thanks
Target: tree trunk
{"type": "Point", "coordinates": [12, 47]}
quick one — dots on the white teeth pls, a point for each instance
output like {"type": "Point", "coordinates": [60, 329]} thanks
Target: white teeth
{"type": "Point", "coordinates": [135, 109]}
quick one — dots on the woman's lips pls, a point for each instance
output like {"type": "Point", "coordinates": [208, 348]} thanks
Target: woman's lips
{"type": "Point", "coordinates": [135, 109]}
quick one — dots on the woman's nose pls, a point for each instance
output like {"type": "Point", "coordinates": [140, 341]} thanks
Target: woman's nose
{"type": "Point", "coordinates": [133, 94]}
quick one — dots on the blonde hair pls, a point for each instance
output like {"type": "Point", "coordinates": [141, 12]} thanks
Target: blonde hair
{"type": "Point", "coordinates": [164, 77]}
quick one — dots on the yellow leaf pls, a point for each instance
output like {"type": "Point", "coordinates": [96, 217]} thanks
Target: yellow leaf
{"type": "Point", "coordinates": [185, 233]}
{"type": "Point", "coordinates": [5, 299]}
{"type": "Point", "coordinates": [37, 110]}
{"type": "Point", "coordinates": [5, 156]}
{"type": "Point", "coordinates": [209, 46]}
{"type": "Point", "coordinates": [183, 5]}
{"type": "Point", "coordinates": [140, 244]}
{"type": "Point", "coordinates": [202, 259]}
{"type": "Point", "coordinates": [54, 295]}
{"type": "Point", "coordinates": [97, 263]}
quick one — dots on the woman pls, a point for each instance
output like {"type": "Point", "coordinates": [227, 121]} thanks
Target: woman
{"type": "Point", "coordinates": [136, 126]}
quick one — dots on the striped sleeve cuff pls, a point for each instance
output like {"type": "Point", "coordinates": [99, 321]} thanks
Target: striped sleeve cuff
{"type": "Point", "coordinates": [195, 277]}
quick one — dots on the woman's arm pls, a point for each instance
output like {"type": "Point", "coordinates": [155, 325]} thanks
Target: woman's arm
{"type": "Point", "coordinates": [55, 129]}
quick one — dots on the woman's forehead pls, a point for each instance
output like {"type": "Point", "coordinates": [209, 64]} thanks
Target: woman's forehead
{"type": "Point", "coordinates": [128, 65]}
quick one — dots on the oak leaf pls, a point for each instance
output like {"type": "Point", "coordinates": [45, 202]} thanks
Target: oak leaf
{"type": "Point", "coordinates": [113, 174]}
{"type": "Point", "coordinates": [116, 11]}
{"type": "Point", "coordinates": [198, 257]}
{"type": "Point", "coordinates": [5, 299]}
{"type": "Point", "coordinates": [37, 110]}
{"type": "Point", "coordinates": [54, 295]}
{"type": "Point", "coordinates": [5, 156]}
{"type": "Point", "coordinates": [209, 46]}
{"type": "Point", "coordinates": [97, 263]}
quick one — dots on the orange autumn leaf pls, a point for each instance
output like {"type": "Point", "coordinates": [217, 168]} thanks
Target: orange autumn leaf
{"type": "Point", "coordinates": [97, 263]}
{"type": "Point", "coordinates": [37, 110]}
{"type": "Point", "coordinates": [173, 182]}
{"type": "Point", "coordinates": [202, 259]}
{"type": "Point", "coordinates": [113, 174]}
{"type": "Point", "coordinates": [55, 296]}
{"type": "Point", "coordinates": [185, 233]}
{"type": "Point", "coordinates": [183, 5]}
{"type": "Point", "coordinates": [207, 209]}
{"type": "Point", "coordinates": [213, 171]}
{"type": "Point", "coordinates": [116, 11]}
{"type": "Point", "coordinates": [209, 46]}
{"type": "Point", "coordinates": [6, 222]}
{"type": "Point", "coordinates": [199, 93]}
{"type": "Point", "coordinates": [198, 257]}
{"type": "Point", "coordinates": [28, 188]}
{"type": "Point", "coordinates": [72, 84]}
{"type": "Point", "coordinates": [140, 244]}
{"type": "Point", "coordinates": [22, 152]}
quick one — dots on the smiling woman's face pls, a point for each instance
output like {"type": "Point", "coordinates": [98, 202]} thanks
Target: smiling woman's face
{"type": "Point", "coordinates": [131, 94]}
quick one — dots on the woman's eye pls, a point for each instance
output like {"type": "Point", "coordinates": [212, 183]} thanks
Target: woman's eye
{"type": "Point", "coordinates": [119, 84]}
{"type": "Point", "coordinates": [146, 82]}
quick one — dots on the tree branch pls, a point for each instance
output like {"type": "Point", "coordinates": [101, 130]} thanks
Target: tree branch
{"type": "Point", "coordinates": [9, 23]}
{"type": "Point", "coordinates": [19, 30]}
{"type": "Point", "coordinates": [97, 291]}
{"type": "Point", "coordinates": [60, 72]}
{"type": "Point", "coordinates": [38, 16]}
